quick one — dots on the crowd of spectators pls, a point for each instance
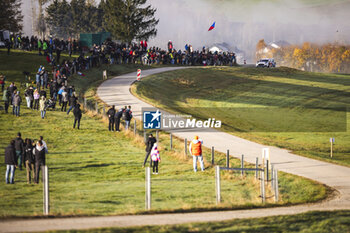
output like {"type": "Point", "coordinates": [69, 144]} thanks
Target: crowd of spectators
{"type": "Point", "coordinates": [111, 52]}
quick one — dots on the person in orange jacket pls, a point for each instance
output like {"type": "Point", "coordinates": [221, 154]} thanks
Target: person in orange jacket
{"type": "Point", "coordinates": [196, 152]}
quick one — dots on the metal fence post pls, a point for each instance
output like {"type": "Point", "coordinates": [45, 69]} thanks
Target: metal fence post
{"type": "Point", "coordinates": [256, 167]}
{"type": "Point", "coordinates": [217, 185]}
{"type": "Point", "coordinates": [212, 156]}
{"type": "Point", "coordinates": [46, 198]}
{"type": "Point", "coordinates": [272, 177]}
{"type": "Point", "coordinates": [276, 185]}
{"type": "Point", "coordinates": [148, 189]}
{"type": "Point", "coordinates": [104, 110]}
{"type": "Point", "coordinates": [228, 158]}
{"type": "Point", "coordinates": [96, 107]}
{"type": "Point", "coordinates": [134, 126]}
{"type": "Point", "coordinates": [144, 135]}
{"type": "Point", "coordinates": [157, 136]}
{"type": "Point", "coordinates": [263, 186]}
{"type": "Point", "coordinates": [171, 141]}
{"type": "Point", "coordinates": [242, 165]}
{"type": "Point", "coordinates": [186, 146]}
{"type": "Point", "coordinates": [267, 171]}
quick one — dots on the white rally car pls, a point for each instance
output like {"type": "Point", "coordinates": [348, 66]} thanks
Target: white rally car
{"type": "Point", "coordinates": [266, 62]}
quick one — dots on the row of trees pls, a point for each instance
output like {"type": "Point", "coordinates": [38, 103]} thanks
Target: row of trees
{"type": "Point", "coordinates": [309, 56]}
{"type": "Point", "coordinates": [126, 20]}
{"type": "Point", "coordinates": [11, 16]}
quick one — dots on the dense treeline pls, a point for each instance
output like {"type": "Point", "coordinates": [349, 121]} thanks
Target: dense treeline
{"type": "Point", "coordinates": [124, 19]}
{"type": "Point", "coordinates": [11, 17]}
{"type": "Point", "coordinates": [313, 57]}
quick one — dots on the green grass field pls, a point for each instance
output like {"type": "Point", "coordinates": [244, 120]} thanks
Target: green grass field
{"type": "Point", "coordinates": [310, 222]}
{"type": "Point", "coordinates": [283, 107]}
{"type": "Point", "coordinates": [96, 172]}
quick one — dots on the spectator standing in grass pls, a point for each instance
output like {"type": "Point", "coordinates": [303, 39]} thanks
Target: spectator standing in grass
{"type": "Point", "coordinates": [19, 147]}
{"type": "Point", "coordinates": [77, 115]}
{"type": "Point", "coordinates": [118, 116]}
{"type": "Point", "coordinates": [42, 106]}
{"type": "Point", "coordinates": [44, 144]}
{"type": "Point", "coordinates": [17, 100]}
{"type": "Point", "coordinates": [111, 114]}
{"type": "Point", "coordinates": [11, 163]}
{"type": "Point", "coordinates": [29, 96]}
{"type": "Point", "coordinates": [36, 96]}
{"type": "Point", "coordinates": [127, 116]}
{"type": "Point", "coordinates": [196, 152]}
{"type": "Point", "coordinates": [64, 100]}
{"type": "Point", "coordinates": [155, 157]}
{"type": "Point", "coordinates": [60, 91]}
{"type": "Point", "coordinates": [72, 103]}
{"type": "Point", "coordinates": [149, 145]}
{"type": "Point", "coordinates": [2, 82]}
{"type": "Point", "coordinates": [11, 89]}
{"type": "Point", "coordinates": [6, 99]}
{"type": "Point", "coordinates": [29, 160]}
{"type": "Point", "coordinates": [39, 156]}
{"type": "Point", "coordinates": [8, 45]}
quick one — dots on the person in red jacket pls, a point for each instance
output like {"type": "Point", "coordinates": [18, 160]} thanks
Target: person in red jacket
{"type": "Point", "coordinates": [196, 152]}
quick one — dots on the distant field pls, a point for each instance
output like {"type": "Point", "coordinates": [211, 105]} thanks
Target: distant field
{"type": "Point", "coordinates": [283, 107]}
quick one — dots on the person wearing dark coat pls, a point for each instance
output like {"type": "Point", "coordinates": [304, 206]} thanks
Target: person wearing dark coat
{"type": "Point", "coordinates": [29, 160]}
{"type": "Point", "coordinates": [6, 98]}
{"type": "Point", "coordinates": [11, 89]}
{"type": "Point", "coordinates": [39, 157]}
{"type": "Point", "coordinates": [72, 103]}
{"type": "Point", "coordinates": [19, 147]}
{"type": "Point", "coordinates": [149, 145]}
{"type": "Point", "coordinates": [77, 115]}
{"type": "Point", "coordinates": [117, 117]}
{"type": "Point", "coordinates": [11, 162]}
{"type": "Point", "coordinates": [111, 114]}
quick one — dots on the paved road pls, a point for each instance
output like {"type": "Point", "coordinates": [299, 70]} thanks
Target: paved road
{"type": "Point", "coordinates": [116, 91]}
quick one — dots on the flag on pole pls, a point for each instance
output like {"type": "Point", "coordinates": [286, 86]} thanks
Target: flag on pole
{"type": "Point", "coordinates": [211, 27]}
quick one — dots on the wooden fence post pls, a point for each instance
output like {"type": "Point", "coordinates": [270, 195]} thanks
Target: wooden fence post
{"type": "Point", "coordinates": [171, 141]}
{"type": "Point", "coordinates": [242, 165]}
{"type": "Point", "coordinates": [256, 167]}
{"type": "Point", "coordinates": [85, 104]}
{"type": "Point", "coordinates": [228, 158]}
{"type": "Point", "coordinates": [134, 126]}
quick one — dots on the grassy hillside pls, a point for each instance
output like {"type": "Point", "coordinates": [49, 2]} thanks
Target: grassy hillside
{"type": "Point", "coordinates": [283, 107]}
{"type": "Point", "coordinates": [96, 172]}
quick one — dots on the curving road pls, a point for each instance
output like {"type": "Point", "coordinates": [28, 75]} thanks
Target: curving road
{"type": "Point", "coordinates": [116, 92]}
